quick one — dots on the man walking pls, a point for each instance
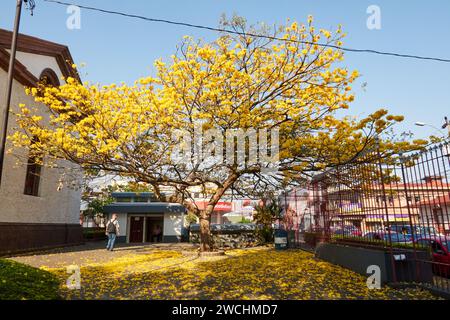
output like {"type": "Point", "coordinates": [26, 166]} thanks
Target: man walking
{"type": "Point", "coordinates": [112, 231]}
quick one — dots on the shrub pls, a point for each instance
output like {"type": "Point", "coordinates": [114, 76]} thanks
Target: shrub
{"type": "Point", "coordinates": [94, 233]}
{"type": "Point", "coordinates": [245, 220]}
{"type": "Point", "coordinates": [266, 214]}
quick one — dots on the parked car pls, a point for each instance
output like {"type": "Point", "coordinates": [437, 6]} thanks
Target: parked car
{"type": "Point", "coordinates": [376, 231]}
{"type": "Point", "coordinates": [405, 229]}
{"type": "Point", "coordinates": [373, 236]}
{"type": "Point", "coordinates": [418, 231]}
{"type": "Point", "coordinates": [384, 236]}
{"type": "Point", "coordinates": [398, 238]}
{"type": "Point", "coordinates": [440, 250]}
{"type": "Point", "coordinates": [347, 231]}
{"type": "Point", "coordinates": [429, 231]}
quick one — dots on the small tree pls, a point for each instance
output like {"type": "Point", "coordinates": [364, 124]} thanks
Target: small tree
{"type": "Point", "coordinates": [95, 203]}
{"type": "Point", "coordinates": [268, 212]}
{"type": "Point", "coordinates": [191, 218]}
{"type": "Point", "coordinates": [95, 208]}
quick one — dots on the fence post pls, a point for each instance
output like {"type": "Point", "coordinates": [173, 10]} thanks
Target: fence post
{"type": "Point", "coordinates": [383, 190]}
{"type": "Point", "coordinates": [296, 222]}
{"type": "Point", "coordinates": [326, 215]}
{"type": "Point", "coordinates": [339, 205]}
{"type": "Point", "coordinates": [413, 237]}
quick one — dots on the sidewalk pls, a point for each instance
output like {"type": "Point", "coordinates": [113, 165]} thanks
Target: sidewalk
{"type": "Point", "coordinates": [93, 252]}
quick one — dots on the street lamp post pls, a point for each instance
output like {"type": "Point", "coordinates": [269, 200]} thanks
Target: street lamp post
{"type": "Point", "coordinates": [446, 125]}
{"type": "Point", "coordinates": [5, 107]}
{"type": "Point", "coordinates": [423, 124]}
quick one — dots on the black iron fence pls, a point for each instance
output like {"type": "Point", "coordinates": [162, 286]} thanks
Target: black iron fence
{"type": "Point", "coordinates": [398, 204]}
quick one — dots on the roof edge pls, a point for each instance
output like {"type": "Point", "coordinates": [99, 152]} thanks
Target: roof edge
{"type": "Point", "coordinates": [30, 44]}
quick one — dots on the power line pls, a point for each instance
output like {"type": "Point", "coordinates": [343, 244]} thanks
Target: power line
{"type": "Point", "coordinates": [190, 25]}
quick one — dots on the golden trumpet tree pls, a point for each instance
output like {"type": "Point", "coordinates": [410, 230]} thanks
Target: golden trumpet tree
{"type": "Point", "coordinates": [288, 82]}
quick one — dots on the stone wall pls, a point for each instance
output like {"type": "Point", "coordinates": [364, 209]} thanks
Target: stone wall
{"type": "Point", "coordinates": [228, 235]}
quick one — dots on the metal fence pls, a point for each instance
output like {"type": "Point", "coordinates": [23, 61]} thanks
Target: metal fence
{"type": "Point", "coordinates": [398, 204]}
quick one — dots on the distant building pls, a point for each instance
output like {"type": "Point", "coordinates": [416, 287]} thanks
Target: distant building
{"type": "Point", "coordinates": [230, 210]}
{"type": "Point", "coordinates": [140, 216]}
{"type": "Point", "coordinates": [421, 203]}
{"type": "Point", "coordinates": [36, 209]}
{"type": "Point", "coordinates": [436, 212]}
{"type": "Point", "coordinates": [297, 208]}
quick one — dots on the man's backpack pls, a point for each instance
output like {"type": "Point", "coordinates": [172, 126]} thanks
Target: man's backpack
{"type": "Point", "coordinates": [111, 228]}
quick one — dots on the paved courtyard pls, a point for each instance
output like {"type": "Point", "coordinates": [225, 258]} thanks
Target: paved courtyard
{"type": "Point", "coordinates": [176, 272]}
{"type": "Point", "coordinates": [95, 253]}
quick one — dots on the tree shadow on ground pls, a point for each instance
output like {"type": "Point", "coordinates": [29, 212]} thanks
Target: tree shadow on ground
{"type": "Point", "coordinates": [258, 274]}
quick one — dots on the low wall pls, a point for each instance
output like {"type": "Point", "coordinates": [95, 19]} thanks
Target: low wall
{"type": "Point", "coordinates": [227, 235]}
{"type": "Point", "coordinates": [358, 259]}
{"type": "Point", "coordinates": [22, 237]}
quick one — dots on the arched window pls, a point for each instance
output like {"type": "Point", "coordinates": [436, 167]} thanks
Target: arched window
{"type": "Point", "coordinates": [49, 77]}
{"type": "Point", "coordinates": [33, 175]}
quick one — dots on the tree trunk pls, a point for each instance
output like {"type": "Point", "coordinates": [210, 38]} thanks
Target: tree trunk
{"type": "Point", "coordinates": [205, 233]}
{"type": "Point", "coordinates": [205, 215]}
{"type": "Point", "coordinates": [206, 243]}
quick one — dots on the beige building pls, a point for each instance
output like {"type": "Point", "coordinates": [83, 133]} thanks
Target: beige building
{"type": "Point", "coordinates": [436, 212]}
{"type": "Point", "coordinates": [38, 208]}
{"type": "Point", "coordinates": [399, 203]}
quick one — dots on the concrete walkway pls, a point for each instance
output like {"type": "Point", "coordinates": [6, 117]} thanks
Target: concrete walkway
{"type": "Point", "coordinates": [93, 252]}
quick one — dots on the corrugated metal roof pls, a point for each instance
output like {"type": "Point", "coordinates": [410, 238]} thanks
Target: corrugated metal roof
{"type": "Point", "coordinates": [441, 200]}
{"type": "Point", "coordinates": [132, 194]}
{"type": "Point", "coordinates": [144, 207]}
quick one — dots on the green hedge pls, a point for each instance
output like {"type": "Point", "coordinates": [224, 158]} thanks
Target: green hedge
{"type": "Point", "coordinates": [94, 233]}
{"type": "Point", "coordinates": [22, 282]}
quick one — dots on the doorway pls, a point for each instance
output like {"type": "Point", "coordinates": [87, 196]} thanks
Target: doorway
{"type": "Point", "coordinates": [155, 229]}
{"type": "Point", "coordinates": [136, 229]}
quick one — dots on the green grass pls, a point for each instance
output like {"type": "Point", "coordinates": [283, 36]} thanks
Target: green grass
{"type": "Point", "coordinates": [22, 282]}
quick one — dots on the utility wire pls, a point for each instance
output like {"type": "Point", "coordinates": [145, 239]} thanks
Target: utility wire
{"type": "Point", "coordinates": [190, 25]}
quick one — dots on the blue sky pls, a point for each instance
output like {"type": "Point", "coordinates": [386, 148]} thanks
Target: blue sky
{"type": "Point", "coordinates": [119, 49]}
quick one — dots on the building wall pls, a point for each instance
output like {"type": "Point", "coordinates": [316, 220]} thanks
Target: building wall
{"type": "Point", "coordinates": [51, 207]}
{"type": "Point", "coordinates": [123, 224]}
{"type": "Point", "coordinates": [173, 223]}
{"type": "Point", "coordinates": [296, 209]}
{"type": "Point", "coordinates": [368, 211]}
{"type": "Point", "coordinates": [36, 63]}
{"type": "Point", "coordinates": [441, 222]}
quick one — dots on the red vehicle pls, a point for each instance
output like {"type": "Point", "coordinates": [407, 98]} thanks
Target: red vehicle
{"type": "Point", "coordinates": [440, 249]}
